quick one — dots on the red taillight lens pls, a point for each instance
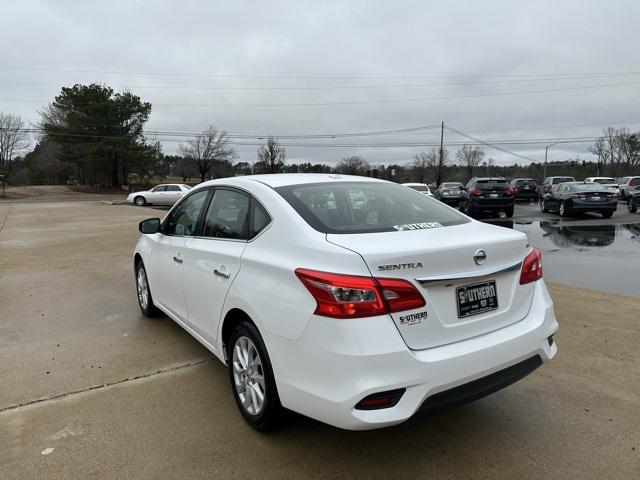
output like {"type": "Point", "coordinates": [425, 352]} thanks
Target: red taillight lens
{"type": "Point", "coordinates": [632, 183]}
{"type": "Point", "coordinates": [350, 296]}
{"type": "Point", "coordinates": [475, 191]}
{"type": "Point", "coordinates": [531, 267]}
{"type": "Point", "coordinates": [400, 295]}
{"type": "Point", "coordinates": [511, 190]}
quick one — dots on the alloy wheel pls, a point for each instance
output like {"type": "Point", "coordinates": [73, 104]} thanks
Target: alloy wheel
{"type": "Point", "coordinates": [248, 375]}
{"type": "Point", "coordinates": [143, 288]}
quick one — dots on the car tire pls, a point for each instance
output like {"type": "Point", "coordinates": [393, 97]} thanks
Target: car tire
{"type": "Point", "coordinates": [250, 373]}
{"type": "Point", "coordinates": [140, 201]}
{"type": "Point", "coordinates": [468, 210]}
{"type": "Point", "coordinates": [608, 214]}
{"type": "Point", "coordinates": [631, 205]}
{"type": "Point", "coordinates": [145, 299]}
{"type": "Point", "coordinates": [543, 206]}
{"type": "Point", "coordinates": [509, 212]}
{"type": "Point", "coordinates": [564, 211]}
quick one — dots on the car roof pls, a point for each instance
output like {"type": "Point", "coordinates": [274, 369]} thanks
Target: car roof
{"type": "Point", "coordinates": [415, 183]}
{"type": "Point", "coordinates": [283, 179]}
{"type": "Point", "coordinates": [490, 178]}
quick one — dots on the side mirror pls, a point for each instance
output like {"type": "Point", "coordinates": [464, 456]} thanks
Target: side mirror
{"type": "Point", "coordinates": [149, 226]}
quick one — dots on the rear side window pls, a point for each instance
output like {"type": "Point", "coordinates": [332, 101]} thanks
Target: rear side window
{"type": "Point", "coordinates": [173, 188]}
{"type": "Point", "coordinates": [258, 220]}
{"type": "Point", "coordinates": [227, 215]}
{"type": "Point", "coordinates": [367, 207]}
{"type": "Point", "coordinates": [184, 218]}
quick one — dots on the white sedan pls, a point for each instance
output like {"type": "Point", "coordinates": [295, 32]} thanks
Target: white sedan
{"type": "Point", "coordinates": [166, 194]}
{"type": "Point", "coordinates": [351, 300]}
{"type": "Point", "coordinates": [420, 187]}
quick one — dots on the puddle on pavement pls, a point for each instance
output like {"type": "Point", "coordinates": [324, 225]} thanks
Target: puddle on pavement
{"type": "Point", "coordinates": [600, 257]}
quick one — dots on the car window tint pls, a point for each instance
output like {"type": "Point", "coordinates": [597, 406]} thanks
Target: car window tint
{"type": "Point", "coordinates": [159, 188]}
{"type": "Point", "coordinates": [364, 207]}
{"type": "Point", "coordinates": [259, 219]}
{"type": "Point", "coordinates": [184, 218]}
{"type": "Point", "coordinates": [227, 215]}
{"type": "Point", "coordinates": [419, 188]}
{"type": "Point", "coordinates": [173, 188]}
{"type": "Point", "coordinates": [590, 187]}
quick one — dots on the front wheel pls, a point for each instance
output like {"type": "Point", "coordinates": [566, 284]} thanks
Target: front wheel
{"type": "Point", "coordinates": [564, 210]}
{"type": "Point", "coordinates": [145, 300]}
{"type": "Point", "coordinates": [140, 201]}
{"type": "Point", "coordinates": [608, 214]}
{"type": "Point", "coordinates": [252, 380]}
{"type": "Point", "coordinates": [543, 206]}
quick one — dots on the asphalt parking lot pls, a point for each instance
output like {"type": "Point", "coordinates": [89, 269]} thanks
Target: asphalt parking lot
{"type": "Point", "coordinates": [92, 389]}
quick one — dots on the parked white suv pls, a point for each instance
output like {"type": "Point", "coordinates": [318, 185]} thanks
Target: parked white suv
{"type": "Point", "coordinates": [166, 194]}
{"type": "Point", "coordinates": [355, 301]}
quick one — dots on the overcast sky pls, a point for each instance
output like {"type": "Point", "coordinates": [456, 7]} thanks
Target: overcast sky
{"type": "Point", "coordinates": [292, 67]}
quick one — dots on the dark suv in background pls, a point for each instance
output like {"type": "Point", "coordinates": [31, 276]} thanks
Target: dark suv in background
{"type": "Point", "coordinates": [525, 189]}
{"type": "Point", "coordinates": [493, 194]}
{"type": "Point", "coordinates": [551, 182]}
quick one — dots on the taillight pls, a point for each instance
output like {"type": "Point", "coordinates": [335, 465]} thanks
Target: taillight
{"type": "Point", "coordinates": [531, 267]}
{"type": "Point", "coordinates": [632, 183]}
{"type": "Point", "coordinates": [475, 191]}
{"type": "Point", "coordinates": [510, 191]}
{"type": "Point", "coordinates": [351, 296]}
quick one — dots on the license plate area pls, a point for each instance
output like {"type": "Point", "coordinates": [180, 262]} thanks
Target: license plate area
{"type": "Point", "coordinates": [476, 298]}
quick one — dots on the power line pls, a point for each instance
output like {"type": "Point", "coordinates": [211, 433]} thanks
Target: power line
{"type": "Point", "coordinates": [328, 87]}
{"type": "Point", "coordinates": [492, 145]}
{"type": "Point", "coordinates": [305, 76]}
{"type": "Point", "coordinates": [363, 102]}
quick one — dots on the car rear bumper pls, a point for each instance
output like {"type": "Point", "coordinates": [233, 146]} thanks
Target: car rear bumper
{"type": "Point", "coordinates": [337, 363]}
{"type": "Point", "coordinates": [532, 195]}
{"type": "Point", "coordinates": [594, 207]}
{"type": "Point", "coordinates": [450, 200]}
{"type": "Point", "coordinates": [491, 204]}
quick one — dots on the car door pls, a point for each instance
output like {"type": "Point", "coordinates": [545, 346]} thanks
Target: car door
{"type": "Point", "coordinates": [156, 194]}
{"type": "Point", "coordinates": [172, 194]}
{"type": "Point", "coordinates": [168, 253]}
{"type": "Point", "coordinates": [212, 259]}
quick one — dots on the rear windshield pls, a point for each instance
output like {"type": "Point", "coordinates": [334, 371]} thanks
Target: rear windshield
{"type": "Point", "coordinates": [493, 183]}
{"type": "Point", "coordinates": [367, 207]}
{"type": "Point", "coordinates": [525, 180]}
{"type": "Point", "coordinates": [188, 187]}
{"type": "Point", "coordinates": [459, 186]}
{"type": "Point", "coordinates": [419, 188]}
{"type": "Point", "coordinates": [589, 187]}
{"type": "Point", "coordinates": [562, 180]}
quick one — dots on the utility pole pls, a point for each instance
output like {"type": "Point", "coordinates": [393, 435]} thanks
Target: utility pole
{"type": "Point", "coordinates": [544, 169]}
{"type": "Point", "coordinates": [441, 158]}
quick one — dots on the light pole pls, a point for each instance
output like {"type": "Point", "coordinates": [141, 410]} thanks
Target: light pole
{"type": "Point", "coordinates": [546, 152]}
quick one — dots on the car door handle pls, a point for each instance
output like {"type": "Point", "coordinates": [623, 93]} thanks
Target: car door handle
{"type": "Point", "coordinates": [221, 274]}
{"type": "Point", "coordinates": [178, 259]}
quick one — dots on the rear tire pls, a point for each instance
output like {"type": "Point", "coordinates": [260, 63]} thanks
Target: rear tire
{"type": "Point", "coordinates": [140, 201]}
{"type": "Point", "coordinates": [631, 205]}
{"type": "Point", "coordinates": [509, 212]}
{"type": "Point", "coordinates": [251, 378]}
{"type": "Point", "coordinates": [607, 214]}
{"type": "Point", "coordinates": [145, 299]}
{"type": "Point", "coordinates": [564, 211]}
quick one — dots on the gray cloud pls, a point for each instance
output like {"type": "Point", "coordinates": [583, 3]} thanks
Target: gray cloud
{"type": "Point", "coordinates": [339, 39]}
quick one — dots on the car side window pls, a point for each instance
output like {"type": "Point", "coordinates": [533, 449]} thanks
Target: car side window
{"type": "Point", "coordinates": [173, 188]}
{"type": "Point", "coordinates": [258, 219]}
{"type": "Point", "coordinates": [159, 188]}
{"type": "Point", "coordinates": [227, 216]}
{"type": "Point", "coordinates": [183, 219]}
{"type": "Point", "coordinates": [470, 184]}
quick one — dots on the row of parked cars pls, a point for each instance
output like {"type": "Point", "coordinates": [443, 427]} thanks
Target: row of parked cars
{"type": "Point", "coordinates": [561, 194]}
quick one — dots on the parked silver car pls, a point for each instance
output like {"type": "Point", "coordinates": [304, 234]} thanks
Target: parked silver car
{"type": "Point", "coordinates": [628, 186]}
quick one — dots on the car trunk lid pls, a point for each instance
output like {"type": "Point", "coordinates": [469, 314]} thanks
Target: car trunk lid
{"type": "Point", "coordinates": [440, 263]}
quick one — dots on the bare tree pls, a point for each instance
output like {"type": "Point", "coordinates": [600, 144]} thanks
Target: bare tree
{"type": "Point", "coordinates": [352, 165]}
{"type": "Point", "coordinates": [271, 157]}
{"type": "Point", "coordinates": [208, 149]}
{"type": "Point", "coordinates": [470, 157]}
{"type": "Point", "coordinates": [424, 162]}
{"type": "Point", "coordinates": [13, 138]}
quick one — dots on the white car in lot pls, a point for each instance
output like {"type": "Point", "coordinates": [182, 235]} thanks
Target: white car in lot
{"type": "Point", "coordinates": [420, 187]}
{"type": "Point", "coordinates": [351, 300]}
{"type": "Point", "coordinates": [166, 194]}
{"type": "Point", "coordinates": [608, 182]}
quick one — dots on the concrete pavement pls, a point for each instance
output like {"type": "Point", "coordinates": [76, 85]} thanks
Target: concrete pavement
{"type": "Point", "coordinates": [91, 388]}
